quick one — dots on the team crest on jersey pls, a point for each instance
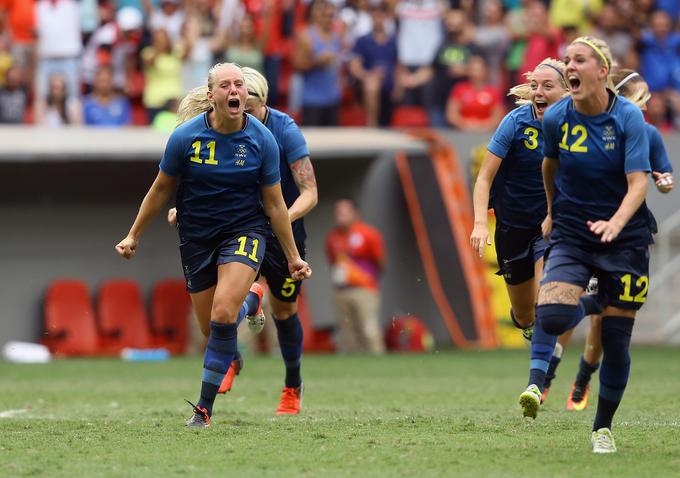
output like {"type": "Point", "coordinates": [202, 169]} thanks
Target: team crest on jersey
{"type": "Point", "coordinates": [609, 138]}
{"type": "Point", "coordinates": [240, 155]}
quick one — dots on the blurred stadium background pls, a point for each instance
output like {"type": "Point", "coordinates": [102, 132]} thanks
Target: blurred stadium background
{"type": "Point", "coordinates": [72, 179]}
{"type": "Point", "coordinates": [73, 172]}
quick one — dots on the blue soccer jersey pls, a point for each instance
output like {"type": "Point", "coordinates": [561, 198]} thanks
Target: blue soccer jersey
{"type": "Point", "coordinates": [220, 176]}
{"type": "Point", "coordinates": [658, 158]}
{"type": "Point", "coordinates": [292, 147]}
{"type": "Point", "coordinates": [517, 193]}
{"type": "Point", "coordinates": [595, 153]}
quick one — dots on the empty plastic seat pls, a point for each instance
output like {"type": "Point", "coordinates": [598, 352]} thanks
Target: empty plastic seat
{"type": "Point", "coordinates": [122, 318]}
{"type": "Point", "coordinates": [170, 315]}
{"type": "Point", "coordinates": [70, 327]}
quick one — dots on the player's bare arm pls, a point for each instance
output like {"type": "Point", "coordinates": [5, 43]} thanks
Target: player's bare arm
{"type": "Point", "coordinates": [305, 180]}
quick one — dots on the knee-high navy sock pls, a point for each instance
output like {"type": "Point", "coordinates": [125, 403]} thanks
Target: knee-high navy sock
{"type": "Point", "coordinates": [616, 332]}
{"type": "Point", "coordinates": [252, 302]}
{"type": "Point", "coordinates": [290, 341]}
{"type": "Point", "coordinates": [542, 346]}
{"type": "Point", "coordinates": [249, 307]}
{"type": "Point", "coordinates": [585, 371]}
{"type": "Point", "coordinates": [554, 363]}
{"type": "Point", "coordinates": [218, 356]}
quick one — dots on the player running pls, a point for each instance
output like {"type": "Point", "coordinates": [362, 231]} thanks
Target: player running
{"type": "Point", "coordinates": [225, 165]}
{"type": "Point", "coordinates": [633, 87]}
{"type": "Point", "coordinates": [595, 174]}
{"type": "Point", "coordinates": [298, 185]}
{"type": "Point", "coordinates": [510, 182]}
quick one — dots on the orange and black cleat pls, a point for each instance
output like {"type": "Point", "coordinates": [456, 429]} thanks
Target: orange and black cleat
{"type": "Point", "coordinates": [578, 398]}
{"type": "Point", "coordinates": [291, 400]}
{"type": "Point", "coordinates": [200, 418]}
{"type": "Point", "coordinates": [234, 369]}
{"type": "Point", "coordinates": [544, 395]}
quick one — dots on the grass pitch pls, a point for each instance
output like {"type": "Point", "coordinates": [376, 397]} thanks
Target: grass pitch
{"type": "Point", "coordinates": [442, 414]}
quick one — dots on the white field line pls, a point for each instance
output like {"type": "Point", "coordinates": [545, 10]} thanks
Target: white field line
{"type": "Point", "coordinates": [12, 413]}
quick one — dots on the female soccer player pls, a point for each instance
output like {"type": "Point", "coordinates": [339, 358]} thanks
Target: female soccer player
{"type": "Point", "coordinates": [595, 173]}
{"type": "Point", "coordinates": [511, 175]}
{"type": "Point", "coordinates": [633, 87]}
{"type": "Point", "coordinates": [298, 185]}
{"type": "Point", "coordinates": [223, 162]}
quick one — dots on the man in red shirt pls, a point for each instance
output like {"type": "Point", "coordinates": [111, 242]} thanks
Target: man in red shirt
{"type": "Point", "coordinates": [356, 254]}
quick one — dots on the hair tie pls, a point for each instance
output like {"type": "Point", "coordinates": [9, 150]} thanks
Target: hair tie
{"type": "Point", "coordinates": [556, 69]}
{"type": "Point", "coordinates": [626, 80]}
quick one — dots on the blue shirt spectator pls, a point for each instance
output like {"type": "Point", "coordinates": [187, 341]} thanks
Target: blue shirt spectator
{"type": "Point", "coordinates": [104, 107]}
{"type": "Point", "coordinates": [660, 55]}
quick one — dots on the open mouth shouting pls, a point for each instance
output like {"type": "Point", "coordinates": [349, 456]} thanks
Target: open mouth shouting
{"type": "Point", "coordinates": [540, 105]}
{"type": "Point", "coordinates": [233, 105]}
{"type": "Point", "coordinates": [574, 82]}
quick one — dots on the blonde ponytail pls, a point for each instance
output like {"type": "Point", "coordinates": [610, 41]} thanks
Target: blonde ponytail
{"type": "Point", "coordinates": [632, 86]}
{"type": "Point", "coordinates": [193, 104]}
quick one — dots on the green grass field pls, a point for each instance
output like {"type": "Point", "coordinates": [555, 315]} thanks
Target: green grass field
{"type": "Point", "coordinates": [442, 414]}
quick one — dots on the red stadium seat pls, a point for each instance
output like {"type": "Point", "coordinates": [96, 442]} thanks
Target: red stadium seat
{"type": "Point", "coordinates": [122, 318]}
{"type": "Point", "coordinates": [410, 117]}
{"type": "Point", "coordinates": [170, 315]}
{"type": "Point", "coordinates": [352, 115]}
{"type": "Point", "coordinates": [70, 327]}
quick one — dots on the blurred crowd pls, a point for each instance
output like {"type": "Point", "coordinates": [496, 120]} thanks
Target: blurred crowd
{"type": "Point", "coordinates": [328, 62]}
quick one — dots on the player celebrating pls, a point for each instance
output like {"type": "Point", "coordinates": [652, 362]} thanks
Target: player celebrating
{"type": "Point", "coordinates": [225, 165]}
{"type": "Point", "coordinates": [298, 185]}
{"type": "Point", "coordinates": [595, 167]}
{"type": "Point", "coordinates": [511, 175]}
{"type": "Point", "coordinates": [633, 87]}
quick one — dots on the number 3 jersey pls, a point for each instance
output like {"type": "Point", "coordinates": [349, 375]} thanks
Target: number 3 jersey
{"type": "Point", "coordinates": [595, 154]}
{"type": "Point", "coordinates": [517, 192]}
{"type": "Point", "coordinates": [220, 176]}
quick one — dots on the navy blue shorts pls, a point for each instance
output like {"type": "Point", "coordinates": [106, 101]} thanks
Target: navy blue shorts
{"type": "Point", "coordinates": [622, 273]}
{"type": "Point", "coordinates": [275, 270]}
{"type": "Point", "coordinates": [201, 258]}
{"type": "Point", "coordinates": [517, 250]}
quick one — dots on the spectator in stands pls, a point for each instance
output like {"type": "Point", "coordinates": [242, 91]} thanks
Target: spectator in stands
{"type": "Point", "coordinates": [19, 16]}
{"type": "Point", "coordinates": [115, 44]}
{"type": "Point", "coordinates": [515, 21]}
{"type": "Point", "coordinates": [574, 13]}
{"type": "Point", "coordinates": [166, 120]}
{"type": "Point", "coordinates": [105, 107]}
{"type": "Point", "coordinates": [450, 64]}
{"type": "Point", "coordinates": [419, 36]}
{"type": "Point", "coordinates": [671, 7]}
{"type": "Point", "coordinates": [163, 71]}
{"type": "Point", "coordinates": [59, 48]}
{"type": "Point", "coordinates": [356, 254]}
{"type": "Point", "coordinates": [356, 19]}
{"type": "Point", "coordinates": [543, 40]}
{"type": "Point", "coordinates": [475, 105]}
{"type": "Point", "coordinates": [13, 96]}
{"type": "Point", "coordinates": [201, 41]}
{"type": "Point", "coordinates": [273, 22]}
{"type": "Point", "coordinates": [316, 56]}
{"type": "Point", "coordinates": [609, 28]}
{"type": "Point", "coordinates": [169, 16]}
{"type": "Point", "coordinates": [493, 39]}
{"type": "Point", "coordinates": [660, 54]}
{"type": "Point", "coordinates": [372, 65]}
{"type": "Point", "coordinates": [247, 49]}
{"type": "Point", "coordinates": [61, 108]}
{"type": "Point", "coordinates": [6, 60]}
